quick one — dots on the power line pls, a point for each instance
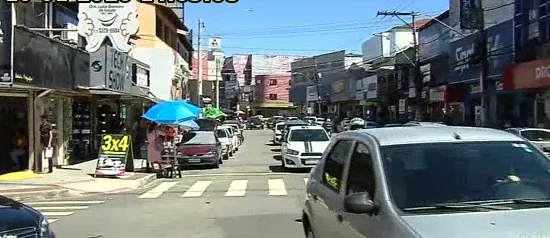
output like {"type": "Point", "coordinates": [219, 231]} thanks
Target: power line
{"type": "Point", "coordinates": [310, 33]}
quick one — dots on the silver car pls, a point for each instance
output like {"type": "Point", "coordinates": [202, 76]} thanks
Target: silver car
{"type": "Point", "coordinates": [538, 136]}
{"type": "Point", "coordinates": [443, 181]}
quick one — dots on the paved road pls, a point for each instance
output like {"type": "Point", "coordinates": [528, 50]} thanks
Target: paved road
{"type": "Point", "coordinates": [248, 197]}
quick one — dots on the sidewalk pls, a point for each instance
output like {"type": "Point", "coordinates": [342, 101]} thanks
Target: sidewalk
{"type": "Point", "coordinates": [73, 180]}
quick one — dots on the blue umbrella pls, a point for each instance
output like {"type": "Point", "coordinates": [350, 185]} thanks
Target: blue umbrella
{"type": "Point", "coordinates": [191, 125]}
{"type": "Point", "coordinates": [171, 112]}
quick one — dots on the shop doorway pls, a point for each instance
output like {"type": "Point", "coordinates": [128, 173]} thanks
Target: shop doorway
{"type": "Point", "coordinates": [14, 148]}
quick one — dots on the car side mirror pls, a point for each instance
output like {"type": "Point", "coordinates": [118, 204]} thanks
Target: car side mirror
{"type": "Point", "coordinates": [360, 203]}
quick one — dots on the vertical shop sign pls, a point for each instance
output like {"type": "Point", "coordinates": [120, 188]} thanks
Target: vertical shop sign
{"type": "Point", "coordinates": [114, 152]}
{"type": "Point", "coordinates": [6, 43]}
{"type": "Point", "coordinates": [470, 14]}
{"type": "Point", "coordinates": [117, 69]}
{"type": "Point", "coordinates": [115, 21]}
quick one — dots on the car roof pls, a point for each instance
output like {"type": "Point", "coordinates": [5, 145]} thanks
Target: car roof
{"type": "Point", "coordinates": [306, 128]}
{"type": "Point", "coordinates": [443, 134]}
{"type": "Point", "coordinates": [280, 124]}
{"type": "Point", "coordinates": [526, 129]}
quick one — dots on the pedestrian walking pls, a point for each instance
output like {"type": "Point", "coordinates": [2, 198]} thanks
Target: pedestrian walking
{"type": "Point", "coordinates": [46, 137]}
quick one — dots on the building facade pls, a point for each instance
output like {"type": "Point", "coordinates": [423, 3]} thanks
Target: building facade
{"type": "Point", "coordinates": [271, 95]}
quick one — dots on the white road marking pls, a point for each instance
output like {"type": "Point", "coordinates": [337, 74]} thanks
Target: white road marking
{"type": "Point", "coordinates": [158, 190]}
{"type": "Point", "coordinates": [64, 202]}
{"type": "Point", "coordinates": [237, 188]}
{"type": "Point", "coordinates": [305, 180]}
{"type": "Point", "coordinates": [52, 220]}
{"type": "Point", "coordinates": [57, 213]}
{"type": "Point", "coordinates": [197, 189]}
{"type": "Point", "coordinates": [277, 187]}
{"type": "Point", "coordinates": [61, 208]}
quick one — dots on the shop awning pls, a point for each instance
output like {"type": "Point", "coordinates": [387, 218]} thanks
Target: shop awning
{"type": "Point", "coordinates": [113, 92]}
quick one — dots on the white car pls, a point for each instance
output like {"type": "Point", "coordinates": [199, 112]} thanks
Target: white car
{"type": "Point", "coordinates": [238, 132]}
{"type": "Point", "coordinates": [278, 133]}
{"type": "Point", "coordinates": [303, 147]}
{"type": "Point", "coordinates": [226, 141]}
{"type": "Point", "coordinates": [234, 138]}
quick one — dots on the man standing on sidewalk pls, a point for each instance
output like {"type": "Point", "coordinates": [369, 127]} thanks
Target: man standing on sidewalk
{"type": "Point", "coordinates": [46, 137]}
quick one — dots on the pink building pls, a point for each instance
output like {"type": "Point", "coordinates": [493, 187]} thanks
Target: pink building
{"type": "Point", "coordinates": [271, 95]}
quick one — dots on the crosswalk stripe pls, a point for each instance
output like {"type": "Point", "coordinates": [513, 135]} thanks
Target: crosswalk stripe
{"type": "Point", "coordinates": [276, 187]}
{"type": "Point", "coordinates": [57, 213]}
{"type": "Point", "coordinates": [64, 202]}
{"type": "Point", "coordinates": [237, 188]}
{"type": "Point", "coordinates": [305, 180]}
{"type": "Point", "coordinates": [158, 190]}
{"type": "Point", "coordinates": [52, 220]}
{"type": "Point", "coordinates": [61, 208]}
{"type": "Point", "coordinates": [197, 189]}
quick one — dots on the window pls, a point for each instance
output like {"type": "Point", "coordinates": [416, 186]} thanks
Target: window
{"type": "Point", "coordinates": [334, 164]}
{"type": "Point", "coordinates": [536, 135]}
{"type": "Point", "coordinates": [272, 81]}
{"type": "Point", "coordinates": [289, 82]}
{"type": "Point", "coordinates": [361, 172]}
{"type": "Point", "coordinates": [272, 96]}
{"type": "Point", "coordinates": [221, 133]}
{"type": "Point", "coordinates": [30, 14]}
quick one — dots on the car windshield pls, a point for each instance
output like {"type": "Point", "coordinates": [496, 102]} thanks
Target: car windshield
{"type": "Point", "coordinates": [308, 135]}
{"type": "Point", "coordinates": [255, 120]}
{"type": "Point", "coordinates": [536, 135]}
{"type": "Point", "coordinates": [235, 127]}
{"type": "Point", "coordinates": [423, 175]}
{"type": "Point", "coordinates": [221, 133]}
{"type": "Point", "coordinates": [280, 127]}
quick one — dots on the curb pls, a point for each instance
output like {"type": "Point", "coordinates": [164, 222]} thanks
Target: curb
{"type": "Point", "coordinates": [52, 193]}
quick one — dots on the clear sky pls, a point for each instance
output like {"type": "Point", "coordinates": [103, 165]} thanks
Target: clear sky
{"type": "Point", "coordinates": [299, 27]}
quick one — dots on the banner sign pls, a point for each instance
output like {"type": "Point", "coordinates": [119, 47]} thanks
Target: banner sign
{"type": "Point", "coordinates": [115, 150]}
{"type": "Point", "coordinates": [115, 21]}
{"type": "Point", "coordinates": [6, 43]}
{"type": "Point", "coordinates": [470, 14]}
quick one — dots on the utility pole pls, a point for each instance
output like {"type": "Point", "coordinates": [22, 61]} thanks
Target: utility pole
{"type": "Point", "coordinates": [486, 120]}
{"type": "Point", "coordinates": [416, 63]}
{"type": "Point", "coordinates": [217, 82]}
{"type": "Point", "coordinates": [199, 58]}
{"type": "Point", "coordinates": [318, 88]}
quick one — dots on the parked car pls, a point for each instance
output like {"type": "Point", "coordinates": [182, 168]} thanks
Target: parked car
{"type": "Point", "coordinates": [538, 136]}
{"type": "Point", "coordinates": [237, 131]}
{"type": "Point", "coordinates": [200, 148]}
{"type": "Point", "coordinates": [234, 139]}
{"type": "Point", "coordinates": [440, 181]}
{"type": "Point", "coordinates": [278, 133]}
{"type": "Point", "coordinates": [255, 123]}
{"type": "Point", "coordinates": [227, 145]}
{"type": "Point", "coordinates": [304, 146]}
{"type": "Point", "coordinates": [20, 220]}
{"type": "Point", "coordinates": [273, 120]}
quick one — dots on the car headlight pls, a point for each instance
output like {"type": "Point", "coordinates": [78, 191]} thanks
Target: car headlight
{"type": "Point", "coordinates": [44, 228]}
{"type": "Point", "coordinates": [292, 152]}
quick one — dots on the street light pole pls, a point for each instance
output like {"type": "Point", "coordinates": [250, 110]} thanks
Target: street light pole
{"type": "Point", "coordinates": [199, 58]}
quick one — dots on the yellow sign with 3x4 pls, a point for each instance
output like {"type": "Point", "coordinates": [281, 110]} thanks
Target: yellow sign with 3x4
{"type": "Point", "coordinates": [115, 145]}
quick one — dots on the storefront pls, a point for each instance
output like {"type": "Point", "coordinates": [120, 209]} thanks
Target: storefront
{"type": "Point", "coordinates": [117, 93]}
{"type": "Point", "coordinates": [464, 70]}
{"type": "Point", "coordinates": [533, 79]}
{"type": "Point", "coordinates": [46, 72]}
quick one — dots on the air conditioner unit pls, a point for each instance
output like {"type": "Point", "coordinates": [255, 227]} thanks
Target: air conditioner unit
{"type": "Point", "coordinates": [71, 35]}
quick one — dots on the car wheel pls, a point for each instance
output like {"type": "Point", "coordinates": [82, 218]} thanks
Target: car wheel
{"type": "Point", "coordinates": [216, 165]}
{"type": "Point", "coordinates": [220, 161]}
{"type": "Point", "coordinates": [226, 156]}
{"type": "Point", "coordinates": [231, 153]}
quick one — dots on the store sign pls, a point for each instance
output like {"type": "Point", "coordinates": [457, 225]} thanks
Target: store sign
{"type": "Point", "coordinates": [470, 14]}
{"type": "Point", "coordinates": [499, 43]}
{"type": "Point", "coordinates": [110, 68]}
{"type": "Point", "coordinates": [312, 94]}
{"type": "Point", "coordinates": [533, 74]}
{"type": "Point", "coordinates": [437, 94]}
{"type": "Point", "coordinates": [140, 76]}
{"type": "Point", "coordinates": [114, 152]}
{"type": "Point", "coordinates": [6, 43]}
{"type": "Point", "coordinates": [114, 21]}
{"type": "Point", "coordinates": [338, 87]}
{"type": "Point", "coordinates": [430, 40]}
{"type": "Point", "coordinates": [371, 87]}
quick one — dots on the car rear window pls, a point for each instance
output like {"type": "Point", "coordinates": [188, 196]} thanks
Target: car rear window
{"type": "Point", "coordinates": [199, 138]}
{"type": "Point", "coordinates": [280, 127]}
{"type": "Point", "coordinates": [536, 135]}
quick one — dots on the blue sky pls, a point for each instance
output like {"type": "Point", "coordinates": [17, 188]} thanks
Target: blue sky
{"type": "Point", "coordinates": [299, 27]}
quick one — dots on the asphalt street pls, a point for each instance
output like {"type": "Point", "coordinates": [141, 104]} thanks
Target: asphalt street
{"type": "Point", "coordinates": [247, 197]}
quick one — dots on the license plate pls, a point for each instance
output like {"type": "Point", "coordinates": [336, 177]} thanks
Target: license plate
{"type": "Point", "coordinates": [194, 160]}
{"type": "Point", "coordinates": [311, 162]}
